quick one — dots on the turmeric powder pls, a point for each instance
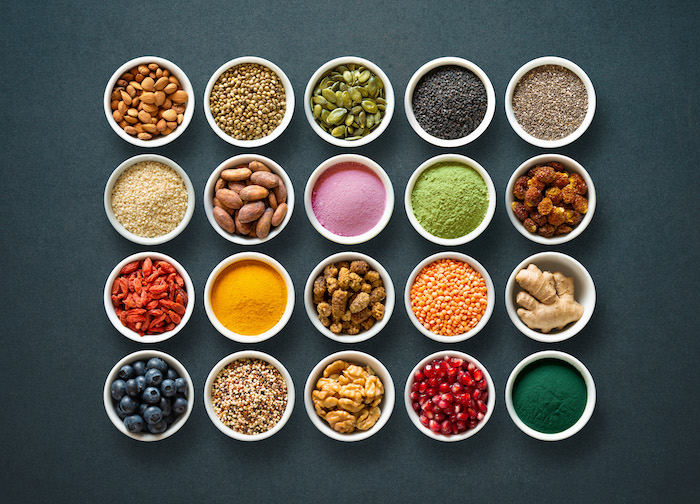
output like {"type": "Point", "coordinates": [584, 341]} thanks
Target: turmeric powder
{"type": "Point", "coordinates": [249, 297]}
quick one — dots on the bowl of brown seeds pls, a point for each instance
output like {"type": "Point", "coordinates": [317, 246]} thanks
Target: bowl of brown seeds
{"type": "Point", "coordinates": [249, 101]}
{"type": "Point", "coordinates": [550, 102]}
{"type": "Point", "coordinates": [149, 101]}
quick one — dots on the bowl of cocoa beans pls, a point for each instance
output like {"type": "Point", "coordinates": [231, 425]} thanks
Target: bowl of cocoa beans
{"type": "Point", "coordinates": [550, 199]}
{"type": "Point", "coordinates": [248, 199]}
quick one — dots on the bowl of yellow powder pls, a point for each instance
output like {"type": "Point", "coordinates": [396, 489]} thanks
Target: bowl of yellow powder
{"type": "Point", "coordinates": [450, 199]}
{"type": "Point", "coordinates": [249, 297]}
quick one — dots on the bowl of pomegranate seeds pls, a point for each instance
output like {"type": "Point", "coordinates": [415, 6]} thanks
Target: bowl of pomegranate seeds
{"type": "Point", "coordinates": [449, 396]}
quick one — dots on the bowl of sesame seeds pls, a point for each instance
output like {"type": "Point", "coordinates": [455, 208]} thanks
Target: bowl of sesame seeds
{"type": "Point", "coordinates": [249, 101]}
{"type": "Point", "coordinates": [249, 395]}
{"type": "Point", "coordinates": [550, 102]}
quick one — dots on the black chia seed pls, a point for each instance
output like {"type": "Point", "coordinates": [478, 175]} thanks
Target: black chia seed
{"type": "Point", "coordinates": [449, 102]}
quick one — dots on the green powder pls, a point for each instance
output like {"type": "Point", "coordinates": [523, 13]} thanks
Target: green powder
{"type": "Point", "coordinates": [450, 199]}
{"type": "Point", "coordinates": [549, 395]}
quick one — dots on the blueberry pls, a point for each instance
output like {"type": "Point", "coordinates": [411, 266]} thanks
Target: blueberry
{"type": "Point", "coordinates": [181, 385]}
{"type": "Point", "coordinates": [134, 423]}
{"type": "Point", "coordinates": [151, 395]}
{"type": "Point", "coordinates": [179, 405]}
{"type": "Point", "coordinates": [118, 389]}
{"type": "Point", "coordinates": [165, 405]}
{"type": "Point", "coordinates": [141, 380]}
{"type": "Point", "coordinates": [154, 377]}
{"type": "Point", "coordinates": [172, 374]}
{"type": "Point", "coordinates": [157, 363]}
{"type": "Point", "coordinates": [153, 415]}
{"type": "Point", "coordinates": [120, 413]}
{"type": "Point", "coordinates": [142, 409]}
{"type": "Point", "coordinates": [157, 428]}
{"type": "Point", "coordinates": [128, 404]}
{"type": "Point", "coordinates": [126, 372]}
{"type": "Point", "coordinates": [134, 387]}
{"type": "Point", "coordinates": [139, 368]}
{"type": "Point", "coordinates": [169, 419]}
{"type": "Point", "coordinates": [168, 388]}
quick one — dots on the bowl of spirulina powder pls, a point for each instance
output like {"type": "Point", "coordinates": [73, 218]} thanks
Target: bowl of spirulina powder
{"type": "Point", "coordinates": [450, 199]}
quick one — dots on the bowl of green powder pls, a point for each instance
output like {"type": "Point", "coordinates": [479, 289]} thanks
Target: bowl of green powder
{"type": "Point", "coordinates": [550, 395]}
{"type": "Point", "coordinates": [450, 199]}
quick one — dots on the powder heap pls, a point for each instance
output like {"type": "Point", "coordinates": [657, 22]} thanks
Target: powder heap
{"type": "Point", "coordinates": [450, 200]}
{"type": "Point", "coordinates": [348, 199]}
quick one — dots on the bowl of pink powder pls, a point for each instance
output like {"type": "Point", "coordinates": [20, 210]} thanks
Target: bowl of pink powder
{"type": "Point", "coordinates": [349, 199]}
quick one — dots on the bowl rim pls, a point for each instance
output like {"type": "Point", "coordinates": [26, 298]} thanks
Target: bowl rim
{"type": "Point", "coordinates": [569, 65]}
{"type": "Point", "coordinates": [109, 402]}
{"type": "Point", "coordinates": [389, 97]}
{"type": "Point", "coordinates": [570, 330]}
{"type": "Point", "coordinates": [370, 164]}
{"type": "Point", "coordinates": [450, 61]}
{"type": "Point", "coordinates": [142, 240]}
{"type": "Point", "coordinates": [490, 211]}
{"type": "Point", "coordinates": [289, 102]}
{"type": "Point", "coordinates": [355, 357]}
{"type": "Point", "coordinates": [572, 166]}
{"type": "Point", "coordinates": [112, 314]}
{"type": "Point", "coordinates": [476, 266]}
{"type": "Point", "coordinates": [255, 256]}
{"type": "Point", "coordinates": [490, 402]}
{"type": "Point", "coordinates": [590, 398]}
{"type": "Point", "coordinates": [389, 304]}
{"type": "Point", "coordinates": [184, 82]}
{"type": "Point", "coordinates": [248, 354]}
{"type": "Point", "coordinates": [232, 162]}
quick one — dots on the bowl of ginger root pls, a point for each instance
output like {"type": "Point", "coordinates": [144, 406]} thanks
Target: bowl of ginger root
{"type": "Point", "coordinates": [550, 297]}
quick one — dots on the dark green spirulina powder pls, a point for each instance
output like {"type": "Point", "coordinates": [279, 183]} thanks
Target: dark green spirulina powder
{"type": "Point", "coordinates": [549, 395]}
{"type": "Point", "coordinates": [450, 199]}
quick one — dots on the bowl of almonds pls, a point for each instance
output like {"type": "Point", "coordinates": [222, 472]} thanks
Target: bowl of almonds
{"type": "Point", "coordinates": [248, 199]}
{"type": "Point", "coordinates": [149, 101]}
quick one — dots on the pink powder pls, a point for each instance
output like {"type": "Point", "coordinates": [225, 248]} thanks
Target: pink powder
{"type": "Point", "coordinates": [348, 199]}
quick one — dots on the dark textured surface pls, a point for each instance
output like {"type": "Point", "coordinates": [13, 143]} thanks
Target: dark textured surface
{"type": "Point", "coordinates": [58, 248]}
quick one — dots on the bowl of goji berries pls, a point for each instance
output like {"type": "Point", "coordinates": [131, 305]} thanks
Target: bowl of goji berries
{"type": "Point", "coordinates": [149, 297]}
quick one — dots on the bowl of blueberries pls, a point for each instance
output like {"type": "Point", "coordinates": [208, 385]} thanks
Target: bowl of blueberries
{"type": "Point", "coordinates": [148, 395]}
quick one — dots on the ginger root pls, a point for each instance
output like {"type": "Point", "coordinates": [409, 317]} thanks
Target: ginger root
{"type": "Point", "coordinates": [549, 301]}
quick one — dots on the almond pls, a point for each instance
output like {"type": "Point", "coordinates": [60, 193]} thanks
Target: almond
{"type": "Point", "coordinates": [161, 83]}
{"type": "Point", "coordinates": [169, 115]}
{"type": "Point", "coordinates": [170, 88]}
{"type": "Point", "coordinates": [179, 96]}
{"type": "Point", "coordinates": [148, 84]}
{"type": "Point", "coordinates": [148, 98]}
{"type": "Point", "coordinates": [144, 136]}
{"type": "Point", "coordinates": [145, 117]}
{"type": "Point", "coordinates": [160, 98]}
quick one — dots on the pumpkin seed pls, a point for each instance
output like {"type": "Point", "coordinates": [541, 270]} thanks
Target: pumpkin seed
{"type": "Point", "coordinates": [370, 121]}
{"type": "Point", "coordinates": [324, 115]}
{"type": "Point", "coordinates": [362, 118]}
{"type": "Point", "coordinates": [349, 119]}
{"type": "Point", "coordinates": [338, 131]}
{"type": "Point", "coordinates": [372, 87]}
{"type": "Point", "coordinates": [328, 95]}
{"type": "Point", "coordinates": [347, 76]}
{"type": "Point", "coordinates": [336, 116]}
{"type": "Point", "coordinates": [364, 76]}
{"type": "Point", "coordinates": [319, 100]}
{"type": "Point", "coordinates": [347, 101]}
{"type": "Point", "coordinates": [369, 106]}
{"type": "Point", "coordinates": [356, 109]}
{"type": "Point", "coordinates": [317, 111]}
{"type": "Point", "coordinates": [355, 95]}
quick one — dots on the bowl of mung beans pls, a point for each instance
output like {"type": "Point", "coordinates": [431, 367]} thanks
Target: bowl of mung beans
{"type": "Point", "coordinates": [249, 102]}
{"type": "Point", "coordinates": [349, 101]}
{"type": "Point", "coordinates": [550, 102]}
{"type": "Point", "coordinates": [149, 101]}
{"type": "Point", "coordinates": [149, 199]}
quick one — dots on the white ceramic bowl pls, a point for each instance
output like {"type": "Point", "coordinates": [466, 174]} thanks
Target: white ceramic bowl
{"type": "Point", "coordinates": [110, 406]}
{"type": "Point", "coordinates": [590, 400]}
{"type": "Point", "coordinates": [184, 83]}
{"type": "Point", "coordinates": [141, 240]}
{"type": "Point", "coordinates": [255, 256]}
{"type": "Point", "coordinates": [361, 359]}
{"type": "Point", "coordinates": [248, 354]}
{"type": "Point", "coordinates": [112, 314]}
{"type": "Point", "coordinates": [232, 163]}
{"type": "Point", "coordinates": [389, 302]}
{"type": "Point", "coordinates": [490, 401]}
{"type": "Point", "coordinates": [550, 60]}
{"type": "Point", "coordinates": [571, 166]}
{"type": "Point", "coordinates": [453, 158]}
{"type": "Point", "coordinates": [288, 96]}
{"type": "Point", "coordinates": [584, 293]}
{"type": "Point", "coordinates": [388, 96]}
{"type": "Point", "coordinates": [490, 293]}
{"type": "Point", "coordinates": [388, 207]}
{"type": "Point", "coordinates": [449, 61]}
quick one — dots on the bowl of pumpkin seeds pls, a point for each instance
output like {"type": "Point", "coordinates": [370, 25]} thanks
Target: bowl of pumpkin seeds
{"type": "Point", "coordinates": [349, 101]}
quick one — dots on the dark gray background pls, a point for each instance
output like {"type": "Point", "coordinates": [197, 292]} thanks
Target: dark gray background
{"type": "Point", "coordinates": [58, 248]}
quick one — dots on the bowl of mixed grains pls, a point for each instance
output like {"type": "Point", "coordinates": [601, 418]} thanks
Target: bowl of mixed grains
{"type": "Point", "coordinates": [149, 199]}
{"type": "Point", "coordinates": [249, 102]}
{"type": "Point", "coordinates": [249, 395]}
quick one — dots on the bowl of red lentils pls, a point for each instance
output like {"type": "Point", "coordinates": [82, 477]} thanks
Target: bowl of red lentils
{"type": "Point", "coordinates": [249, 102]}
{"type": "Point", "coordinates": [550, 102]}
{"type": "Point", "coordinates": [149, 297]}
{"type": "Point", "coordinates": [149, 199]}
{"type": "Point", "coordinates": [149, 101]}
{"type": "Point", "coordinates": [249, 395]}
{"type": "Point", "coordinates": [449, 297]}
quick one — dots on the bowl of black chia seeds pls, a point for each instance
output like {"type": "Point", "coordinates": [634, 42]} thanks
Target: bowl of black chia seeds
{"type": "Point", "coordinates": [349, 101]}
{"type": "Point", "coordinates": [249, 102]}
{"type": "Point", "coordinates": [550, 102]}
{"type": "Point", "coordinates": [449, 102]}
{"type": "Point", "coordinates": [249, 395]}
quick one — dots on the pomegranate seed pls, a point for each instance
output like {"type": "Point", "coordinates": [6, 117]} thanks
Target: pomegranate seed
{"type": "Point", "coordinates": [461, 426]}
{"type": "Point", "coordinates": [478, 374]}
{"type": "Point", "coordinates": [443, 405]}
{"type": "Point", "coordinates": [471, 412]}
{"type": "Point", "coordinates": [440, 417]}
{"type": "Point", "coordinates": [456, 362]}
{"type": "Point", "coordinates": [422, 400]}
{"type": "Point", "coordinates": [428, 407]}
{"type": "Point", "coordinates": [455, 430]}
{"type": "Point", "coordinates": [476, 394]}
{"type": "Point", "coordinates": [471, 423]}
{"type": "Point", "coordinates": [424, 420]}
{"type": "Point", "coordinates": [428, 414]}
{"type": "Point", "coordinates": [466, 379]}
{"type": "Point", "coordinates": [449, 409]}
{"type": "Point", "coordinates": [447, 397]}
{"type": "Point", "coordinates": [444, 387]}
{"type": "Point", "coordinates": [482, 406]}
{"type": "Point", "coordinates": [436, 398]}
{"type": "Point", "coordinates": [431, 391]}
{"type": "Point", "coordinates": [452, 418]}
{"type": "Point", "coordinates": [484, 395]}
{"type": "Point", "coordinates": [423, 387]}
{"type": "Point", "coordinates": [456, 388]}
{"type": "Point", "coordinates": [462, 416]}
{"type": "Point", "coordinates": [418, 376]}
{"type": "Point", "coordinates": [471, 367]}
{"type": "Point", "coordinates": [415, 387]}
{"type": "Point", "coordinates": [415, 406]}
{"type": "Point", "coordinates": [444, 366]}
{"type": "Point", "coordinates": [479, 416]}
{"type": "Point", "coordinates": [458, 407]}
{"type": "Point", "coordinates": [433, 382]}
{"type": "Point", "coordinates": [428, 371]}
{"type": "Point", "coordinates": [446, 427]}
{"type": "Point", "coordinates": [452, 375]}
{"type": "Point", "coordinates": [465, 365]}
{"type": "Point", "coordinates": [482, 385]}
